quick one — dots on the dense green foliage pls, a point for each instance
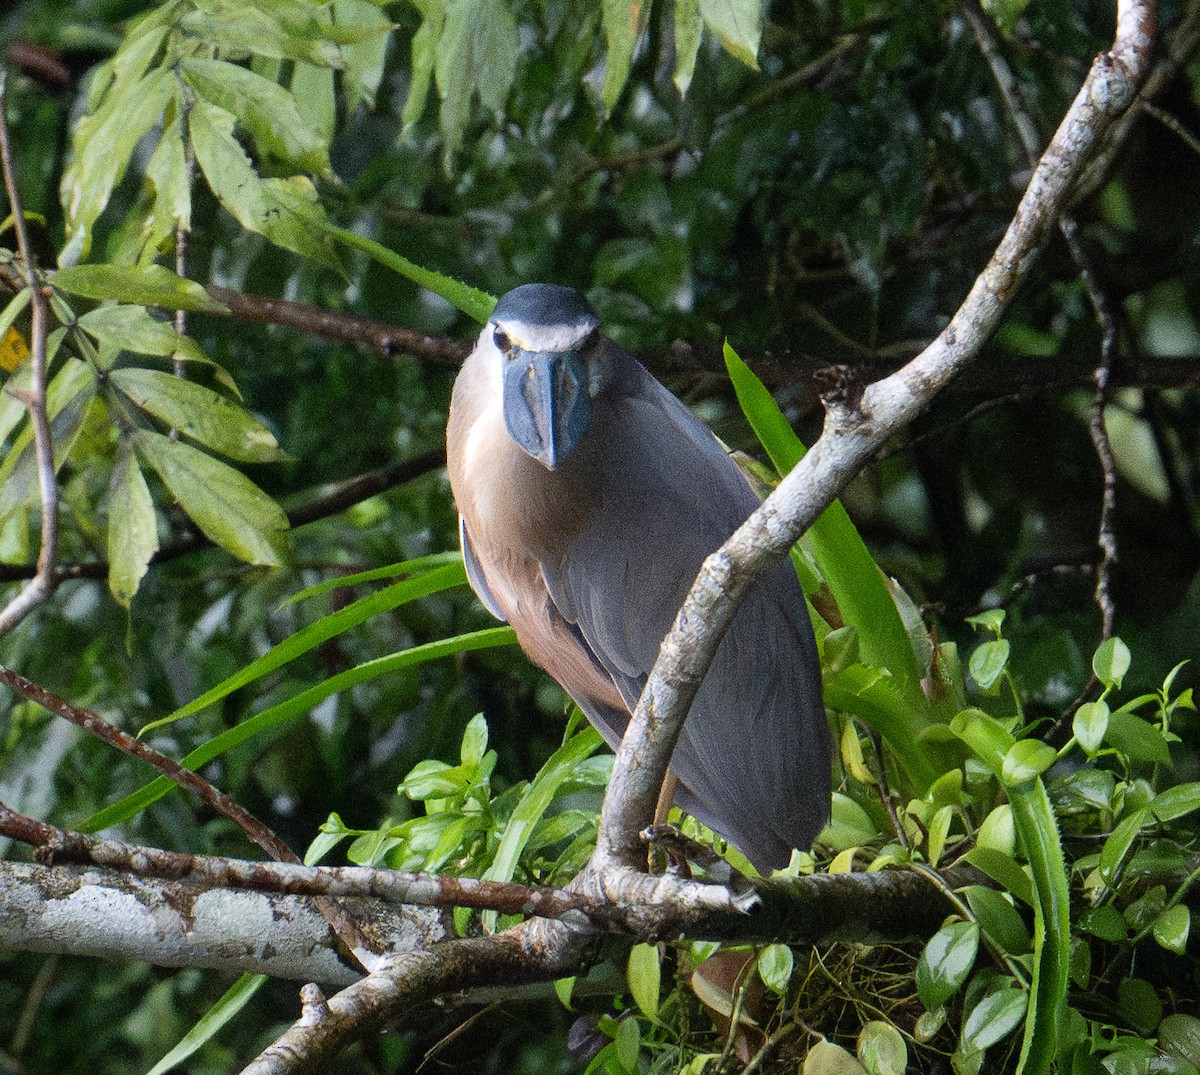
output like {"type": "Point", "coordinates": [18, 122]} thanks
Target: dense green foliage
{"type": "Point", "coordinates": [820, 185]}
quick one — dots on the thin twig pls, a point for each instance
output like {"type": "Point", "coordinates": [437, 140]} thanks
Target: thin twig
{"type": "Point", "coordinates": [42, 585]}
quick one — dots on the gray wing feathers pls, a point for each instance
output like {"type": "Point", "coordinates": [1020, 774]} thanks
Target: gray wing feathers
{"type": "Point", "coordinates": [671, 498]}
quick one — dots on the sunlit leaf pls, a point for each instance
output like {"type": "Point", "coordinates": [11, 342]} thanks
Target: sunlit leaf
{"type": "Point", "coordinates": [775, 964]}
{"type": "Point", "coordinates": [995, 1016]}
{"type": "Point", "coordinates": [227, 506]}
{"type": "Point", "coordinates": [1090, 725]}
{"type": "Point", "coordinates": [881, 1048]}
{"type": "Point", "coordinates": [1111, 661]}
{"type": "Point", "coordinates": [945, 962]}
{"type": "Point", "coordinates": [644, 974]}
{"type": "Point", "coordinates": [148, 285]}
{"type": "Point", "coordinates": [1171, 928]}
{"type": "Point", "coordinates": [132, 528]}
{"type": "Point", "coordinates": [737, 24]}
{"type": "Point", "coordinates": [264, 108]}
{"type": "Point", "coordinates": [199, 413]}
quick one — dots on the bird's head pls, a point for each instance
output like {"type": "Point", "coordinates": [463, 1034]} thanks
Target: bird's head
{"type": "Point", "coordinates": [544, 335]}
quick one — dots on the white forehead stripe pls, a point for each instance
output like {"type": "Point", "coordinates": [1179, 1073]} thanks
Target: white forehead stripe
{"type": "Point", "coordinates": [541, 337]}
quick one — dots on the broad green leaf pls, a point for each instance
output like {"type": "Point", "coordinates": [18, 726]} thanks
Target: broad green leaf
{"type": "Point", "coordinates": [424, 56]}
{"type": "Point", "coordinates": [365, 57]}
{"type": "Point", "coordinates": [1090, 725]}
{"type": "Point", "coordinates": [1118, 844]}
{"type": "Point", "coordinates": [991, 619]}
{"type": "Point", "coordinates": [314, 92]}
{"type": "Point", "coordinates": [150, 285]}
{"type": "Point", "coordinates": [849, 824]}
{"type": "Point", "coordinates": [264, 108]}
{"type": "Point", "coordinates": [1179, 1035]}
{"type": "Point", "coordinates": [997, 831]}
{"type": "Point", "coordinates": [1111, 661]}
{"type": "Point", "coordinates": [1174, 803]}
{"type": "Point", "coordinates": [474, 741]}
{"type": "Point", "coordinates": [995, 1016]}
{"type": "Point", "coordinates": [232, 1001]}
{"type": "Point", "coordinates": [308, 638]}
{"type": "Point", "coordinates": [199, 413]}
{"type": "Point", "coordinates": [299, 706]}
{"type": "Point", "coordinates": [104, 143]}
{"type": "Point", "coordinates": [939, 828]}
{"type": "Point", "coordinates": [987, 663]}
{"type": "Point", "coordinates": [1004, 870]}
{"type": "Point", "coordinates": [945, 962]}
{"type": "Point", "coordinates": [242, 29]}
{"type": "Point", "coordinates": [132, 527]}
{"type": "Point", "coordinates": [624, 22]}
{"type": "Point", "coordinates": [1171, 928]}
{"type": "Point", "coordinates": [476, 54]}
{"type": "Point", "coordinates": [1139, 1002]}
{"type": "Point", "coordinates": [827, 1058]}
{"type": "Point", "coordinates": [537, 797]}
{"type": "Point", "coordinates": [881, 1049]}
{"type": "Point", "coordinates": [998, 919]}
{"type": "Point", "coordinates": [286, 211]}
{"type": "Point", "coordinates": [644, 974]}
{"type": "Point", "coordinates": [737, 24]}
{"type": "Point", "coordinates": [168, 176]}
{"type": "Point", "coordinates": [775, 964]}
{"type": "Point", "coordinates": [228, 507]}
{"type": "Point", "coordinates": [1105, 922]}
{"type": "Point", "coordinates": [1137, 739]}
{"type": "Point", "coordinates": [689, 28]}
{"type": "Point", "coordinates": [133, 328]}
{"type": "Point", "coordinates": [1026, 759]}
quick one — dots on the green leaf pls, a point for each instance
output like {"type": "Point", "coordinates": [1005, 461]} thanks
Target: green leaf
{"type": "Point", "coordinates": [1105, 922]}
{"type": "Point", "coordinates": [644, 974]}
{"type": "Point", "coordinates": [1111, 661]}
{"type": "Point", "coordinates": [227, 506]}
{"type": "Point", "coordinates": [998, 919]}
{"type": "Point", "coordinates": [241, 29]}
{"type": "Point", "coordinates": [939, 828]}
{"type": "Point", "coordinates": [365, 57]}
{"type": "Point", "coordinates": [286, 211]}
{"type": "Point", "coordinates": [1026, 759]}
{"type": "Point", "coordinates": [132, 527]}
{"type": "Point", "coordinates": [1171, 928]}
{"type": "Point", "coordinates": [689, 28]}
{"type": "Point", "coordinates": [995, 1016]}
{"type": "Point", "coordinates": [168, 175]}
{"type": "Point", "coordinates": [1004, 870]}
{"type": "Point", "coordinates": [849, 824]}
{"type": "Point", "coordinates": [139, 285]}
{"type": "Point", "coordinates": [308, 638]}
{"type": "Point", "coordinates": [474, 741]}
{"type": "Point", "coordinates": [300, 705]}
{"type": "Point", "coordinates": [133, 328]}
{"type": "Point", "coordinates": [737, 24]}
{"type": "Point", "coordinates": [1139, 1001]}
{"type": "Point", "coordinates": [1137, 739]}
{"type": "Point", "coordinates": [881, 1049]}
{"type": "Point", "coordinates": [858, 586]}
{"type": "Point", "coordinates": [476, 53]}
{"type": "Point", "coordinates": [624, 22]}
{"type": "Point", "coordinates": [199, 413]}
{"type": "Point", "coordinates": [559, 768]}
{"type": "Point", "coordinates": [945, 962]}
{"type": "Point", "coordinates": [1118, 844]}
{"type": "Point", "coordinates": [267, 111]}
{"type": "Point", "coordinates": [991, 619]}
{"type": "Point", "coordinates": [987, 663]}
{"type": "Point", "coordinates": [1090, 725]}
{"type": "Point", "coordinates": [775, 964]}
{"type": "Point", "coordinates": [1179, 1035]}
{"type": "Point", "coordinates": [232, 1001]}
{"type": "Point", "coordinates": [1176, 802]}
{"type": "Point", "coordinates": [103, 145]}
{"type": "Point", "coordinates": [471, 301]}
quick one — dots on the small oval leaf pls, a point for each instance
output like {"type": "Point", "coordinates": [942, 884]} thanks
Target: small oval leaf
{"type": "Point", "coordinates": [945, 962]}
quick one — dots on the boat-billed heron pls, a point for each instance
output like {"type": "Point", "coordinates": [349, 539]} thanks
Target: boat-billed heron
{"type": "Point", "coordinates": [588, 498]}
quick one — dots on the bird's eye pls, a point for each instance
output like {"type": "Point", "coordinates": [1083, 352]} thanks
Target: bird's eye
{"type": "Point", "coordinates": [501, 340]}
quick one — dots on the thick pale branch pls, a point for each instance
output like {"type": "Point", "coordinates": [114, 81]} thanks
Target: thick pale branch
{"type": "Point", "coordinates": [113, 915]}
{"type": "Point", "coordinates": [856, 426]}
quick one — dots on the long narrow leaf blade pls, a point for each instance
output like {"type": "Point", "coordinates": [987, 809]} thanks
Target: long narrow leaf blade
{"type": "Point", "coordinates": [280, 714]}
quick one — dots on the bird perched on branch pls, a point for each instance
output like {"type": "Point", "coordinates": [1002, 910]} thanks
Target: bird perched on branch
{"type": "Point", "coordinates": [589, 496]}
